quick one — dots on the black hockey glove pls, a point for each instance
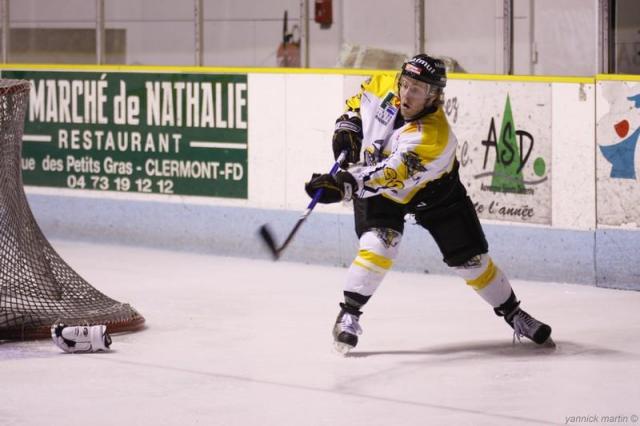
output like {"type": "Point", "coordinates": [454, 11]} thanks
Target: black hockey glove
{"type": "Point", "coordinates": [347, 137]}
{"type": "Point", "coordinates": [335, 188]}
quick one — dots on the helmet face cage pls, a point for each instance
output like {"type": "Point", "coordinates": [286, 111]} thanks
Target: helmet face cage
{"type": "Point", "coordinates": [434, 95]}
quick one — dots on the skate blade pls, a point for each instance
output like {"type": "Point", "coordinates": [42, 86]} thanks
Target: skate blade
{"type": "Point", "coordinates": [342, 348]}
{"type": "Point", "coordinates": [549, 343]}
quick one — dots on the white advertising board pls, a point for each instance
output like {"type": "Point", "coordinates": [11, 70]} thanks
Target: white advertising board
{"type": "Point", "coordinates": [504, 136]}
{"type": "Point", "coordinates": [617, 161]}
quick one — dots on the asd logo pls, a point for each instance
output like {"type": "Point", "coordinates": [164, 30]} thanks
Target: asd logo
{"type": "Point", "coordinates": [512, 151]}
{"type": "Point", "coordinates": [622, 155]}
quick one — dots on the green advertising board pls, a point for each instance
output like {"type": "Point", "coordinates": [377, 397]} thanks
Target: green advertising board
{"type": "Point", "coordinates": [183, 134]}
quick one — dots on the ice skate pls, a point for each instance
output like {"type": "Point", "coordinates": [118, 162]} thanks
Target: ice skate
{"type": "Point", "coordinates": [525, 325]}
{"type": "Point", "coordinates": [346, 329]}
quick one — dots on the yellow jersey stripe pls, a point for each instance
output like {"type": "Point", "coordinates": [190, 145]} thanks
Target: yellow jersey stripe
{"type": "Point", "coordinates": [485, 278]}
{"type": "Point", "coordinates": [433, 141]}
{"type": "Point", "coordinates": [435, 136]}
{"type": "Point", "coordinates": [380, 86]}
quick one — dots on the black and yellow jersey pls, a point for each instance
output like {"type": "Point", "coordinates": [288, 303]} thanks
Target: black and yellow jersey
{"type": "Point", "coordinates": [399, 160]}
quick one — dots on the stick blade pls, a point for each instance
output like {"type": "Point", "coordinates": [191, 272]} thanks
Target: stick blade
{"type": "Point", "coordinates": [267, 237]}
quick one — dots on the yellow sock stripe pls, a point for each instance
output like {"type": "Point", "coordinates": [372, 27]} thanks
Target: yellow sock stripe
{"type": "Point", "coordinates": [485, 278]}
{"type": "Point", "coordinates": [375, 258]}
{"type": "Point", "coordinates": [368, 267]}
{"type": "Point", "coordinates": [373, 261]}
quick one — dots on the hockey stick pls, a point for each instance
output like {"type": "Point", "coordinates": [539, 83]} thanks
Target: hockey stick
{"type": "Point", "coordinates": [267, 235]}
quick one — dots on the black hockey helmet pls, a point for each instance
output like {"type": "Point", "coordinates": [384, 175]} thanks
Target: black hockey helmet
{"type": "Point", "coordinates": [425, 68]}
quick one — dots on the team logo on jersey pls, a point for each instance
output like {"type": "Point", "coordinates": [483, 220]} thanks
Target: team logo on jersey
{"type": "Point", "coordinates": [374, 182]}
{"type": "Point", "coordinates": [373, 153]}
{"type": "Point", "coordinates": [391, 179]}
{"type": "Point", "coordinates": [388, 108]}
{"type": "Point", "coordinates": [413, 163]}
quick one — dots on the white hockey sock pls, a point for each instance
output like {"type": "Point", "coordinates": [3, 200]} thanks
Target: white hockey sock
{"type": "Point", "coordinates": [486, 279]}
{"type": "Point", "coordinates": [378, 249]}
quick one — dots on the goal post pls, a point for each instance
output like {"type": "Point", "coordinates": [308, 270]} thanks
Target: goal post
{"type": "Point", "coordinates": [37, 287]}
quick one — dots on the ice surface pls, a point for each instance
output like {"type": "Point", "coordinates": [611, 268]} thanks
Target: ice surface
{"type": "Point", "coordinates": [244, 342]}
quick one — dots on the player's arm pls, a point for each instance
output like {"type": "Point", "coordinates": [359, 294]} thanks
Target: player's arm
{"type": "Point", "coordinates": [418, 159]}
{"type": "Point", "coordinates": [407, 167]}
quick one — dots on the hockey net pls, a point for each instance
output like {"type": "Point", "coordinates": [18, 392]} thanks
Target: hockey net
{"type": "Point", "coordinates": [37, 288]}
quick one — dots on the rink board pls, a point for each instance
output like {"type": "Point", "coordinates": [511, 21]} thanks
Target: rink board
{"type": "Point", "coordinates": [526, 252]}
{"type": "Point", "coordinates": [545, 227]}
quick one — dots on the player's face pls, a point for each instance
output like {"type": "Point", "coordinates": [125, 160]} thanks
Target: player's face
{"type": "Point", "coordinates": [415, 96]}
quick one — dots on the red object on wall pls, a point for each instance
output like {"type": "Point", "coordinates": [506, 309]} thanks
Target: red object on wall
{"type": "Point", "coordinates": [323, 13]}
{"type": "Point", "coordinates": [622, 128]}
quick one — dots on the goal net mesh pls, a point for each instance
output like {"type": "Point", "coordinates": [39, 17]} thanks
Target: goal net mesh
{"type": "Point", "coordinates": [37, 287]}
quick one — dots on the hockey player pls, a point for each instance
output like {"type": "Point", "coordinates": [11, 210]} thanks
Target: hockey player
{"type": "Point", "coordinates": [409, 166]}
